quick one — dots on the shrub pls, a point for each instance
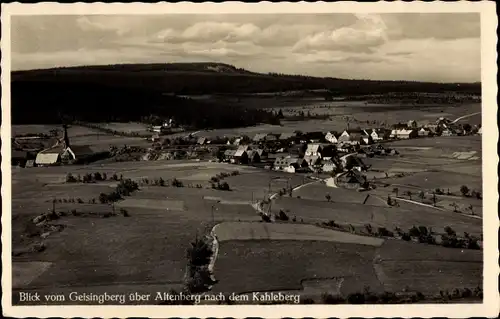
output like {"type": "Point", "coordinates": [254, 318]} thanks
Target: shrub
{"type": "Point", "coordinates": [464, 190]}
{"type": "Point", "coordinates": [265, 218]}
{"type": "Point", "coordinates": [282, 216]}
{"type": "Point", "coordinates": [382, 231]}
{"type": "Point", "coordinates": [177, 183]}
{"type": "Point", "coordinates": [97, 176]}
{"type": "Point", "coordinates": [224, 186]}
{"type": "Point", "coordinates": [114, 177]}
{"type": "Point", "coordinates": [328, 197]}
{"type": "Point", "coordinates": [450, 231]}
{"type": "Point", "coordinates": [104, 176]}
{"type": "Point", "coordinates": [103, 198]}
{"type": "Point", "coordinates": [80, 201]}
{"type": "Point", "coordinates": [476, 194]}
{"type": "Point", "coordinates": [214, 179]}
{"type": "Point", "coordinates": [406, 237]}
{"type": "Point", "coordinates": [439, 191]}
{"type": "Point", "coordinates": [369, 228]}
{"type": "Point", "coordinates": [414, 232]}
{"type": "Point", "coordinates": [423, 230]}
{"type": "Point", "coordinates": [70, 178]}
{"type": "Point", "coordinates": [124, 212]}
{"type": "Point", "coordinates": [199, 253]}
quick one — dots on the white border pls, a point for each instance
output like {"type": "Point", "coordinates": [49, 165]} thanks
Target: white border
{"type": "Point", "coordinates": [490, 306]}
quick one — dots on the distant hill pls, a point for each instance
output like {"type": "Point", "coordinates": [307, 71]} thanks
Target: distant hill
{"type": "Point", "coordinates": [127, 91]}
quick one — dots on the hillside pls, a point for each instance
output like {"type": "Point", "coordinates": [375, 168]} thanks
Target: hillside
{"type": "Point", "coordinates": [131, 91]}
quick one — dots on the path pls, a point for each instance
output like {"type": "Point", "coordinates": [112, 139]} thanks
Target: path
{"type": "Point", "coordinates": [465, 116]}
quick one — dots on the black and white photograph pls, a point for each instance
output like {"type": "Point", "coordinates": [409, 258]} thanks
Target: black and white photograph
{"type": "Point", "coordinates": [225, 155]}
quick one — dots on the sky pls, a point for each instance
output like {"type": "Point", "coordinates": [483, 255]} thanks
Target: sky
{"type": "Point", "coordinates": [437, 47]}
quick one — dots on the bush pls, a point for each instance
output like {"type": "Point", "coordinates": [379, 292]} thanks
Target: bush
{"type": "Point", "coordinates": [414, 232]}
{"type": "Point", "coordinates": [177, 183]}
{"type": "Point", "coordinates": [80, 201]}
{"type": "Point", "coordinates": [265, 218]}
{"type": "Point", "coordinates": [282, 216]}
{"type": "Point", "coordinates": [464, 190]}
{"type": "Point", "coordinates": [103, 198]}
{"type": "Point", "coordinates": [369, 228]}
{"type": "Point", "coordinates": [382, 231]}
{"type": "Point", "coordinates": [450, 231]}
{"type": "Point", "coordinates": [124, 212]}
{"type": "Point", "coordinates": [104, 176]}
{"type": "Point", "coordinates": [70, 178]}
{"type": "Point", "coordinates": [114, 177]}
{"type": "Point", "coordinates": [406, 237]}
{"type": "Point", "coordinates": [223, 186]}
{"type": "Point", "coordinates": [423, 230]}
{"type": "Point", "coordinates": [97, 176]}
{"type": "Point", "coordinates": [199, 253]}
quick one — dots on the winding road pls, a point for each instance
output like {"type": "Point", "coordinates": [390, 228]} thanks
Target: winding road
{"type": "Point", "coordinates": [465, 116]}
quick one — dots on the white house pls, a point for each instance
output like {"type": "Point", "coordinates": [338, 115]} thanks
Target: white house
{"type": "Point", "coordinates": [377, 134]}
{"type": "Point", "coordinates": [330, 137]}
{"type": "Point", "coordinates": [350, 136]}
{"type": "Point", "coordinates": [480, 131]}
{"type": "Point", "coordinates": [403, 134]}
{"type": "Point", "coordinates": [313, 150]}
{"type": "Point", "coordinates": [329, 167]}
{"type": "Point", "coordinates": [423, 132]}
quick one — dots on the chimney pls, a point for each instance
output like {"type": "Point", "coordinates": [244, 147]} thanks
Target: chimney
{"type": "Point", "coordinates": [65, 136]}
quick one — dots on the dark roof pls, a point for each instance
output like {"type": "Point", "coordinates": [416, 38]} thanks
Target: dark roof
{"type": "Point", "coordinates": [82, 150]}
{"type": "Point", "coordinates": [19, 154]}
{"type": "Point", "coordinates": [351, 131]}
{"type": "Point", "coordinates": [53, 150]}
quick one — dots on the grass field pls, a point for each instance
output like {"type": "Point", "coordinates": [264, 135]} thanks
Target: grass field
{"type": "Point", "coordinates": [246, 266]}
{"type": "Point", "coordinates": [287, 231]}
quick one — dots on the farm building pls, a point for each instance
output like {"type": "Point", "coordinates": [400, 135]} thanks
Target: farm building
{"type": "Point", "coordinates": [328, 166]}
{"type": "Point", "coordinates": [253, 156]}
{"type": "Point", "coordinates": [229, 155]}
{"type": "Point", "coordinates": [202, 140]}
{"type": "Point", "coordinates": [314, 150]}
{"type": "Point", "coordinates": [289, 164]}
{"type": "Point", "coordinates": [350, 161]}
{"type": "Point", "coordinates": [241, 155]}
{"type": "Point", "coordinates": [447, 132]}
{"type": "Point", "coordinates": [404, 134]}
{"type": "Point", "coordinates": [331, 137]}
{"type": "Point", "coordinates": [271, 137]}
{"type": "Point", "coordinates": [423, 132]}
{"type": "Point", "coordinates": [50, 156]}
{"type": "Point", "coordinates": [352, 179]}
{"type": "Point", "coordinates": [287, 136]}
{"type": "Point", "coordinates": [432, 128]}
{"type": "Point", "coordinates": [412, 124]}
{"type": "Point", "coordinates": [378, 134]}
{"type": "Point", "coordinates": [312, 160]}
{"type": "Point", "coordinates": [351, 136]}
{"type": "Point", "coordinates": [260, 137]}
{"type": "Point", "coordinates": [345, 147]}
{"type": "Point", "coordinates": [262, 154]}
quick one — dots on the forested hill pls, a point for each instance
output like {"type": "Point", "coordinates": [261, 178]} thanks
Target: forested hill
{"type": "Point", "coordinates": [129, 92]}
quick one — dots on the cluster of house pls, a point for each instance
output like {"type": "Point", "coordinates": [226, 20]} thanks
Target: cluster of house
{"type": "Point", "coordinates": [61, 151]}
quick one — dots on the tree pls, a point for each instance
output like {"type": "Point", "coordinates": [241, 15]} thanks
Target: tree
{"type": "Point", "coordinates": [328, 197]}
{"type": "Point", "coordinates": [434, 198]}
{"type": "Point", "coordinates": [455, 206]}
{"type": "Point", "coordinates": [409, 193]}
{"type": "Point", "coordinates": [471, 208]}
{"type": "Point", "coordinates": [70, 178]}
{"type": "Point", "coordinates": [421, 195]}
{"type": "Point", "coordinates": [464, 190]}
{"type": "Point", "coordinates": [395, 190]}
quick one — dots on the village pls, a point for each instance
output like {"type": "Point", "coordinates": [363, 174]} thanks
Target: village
{"type": "Point", "coordinates": [325, 154]}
